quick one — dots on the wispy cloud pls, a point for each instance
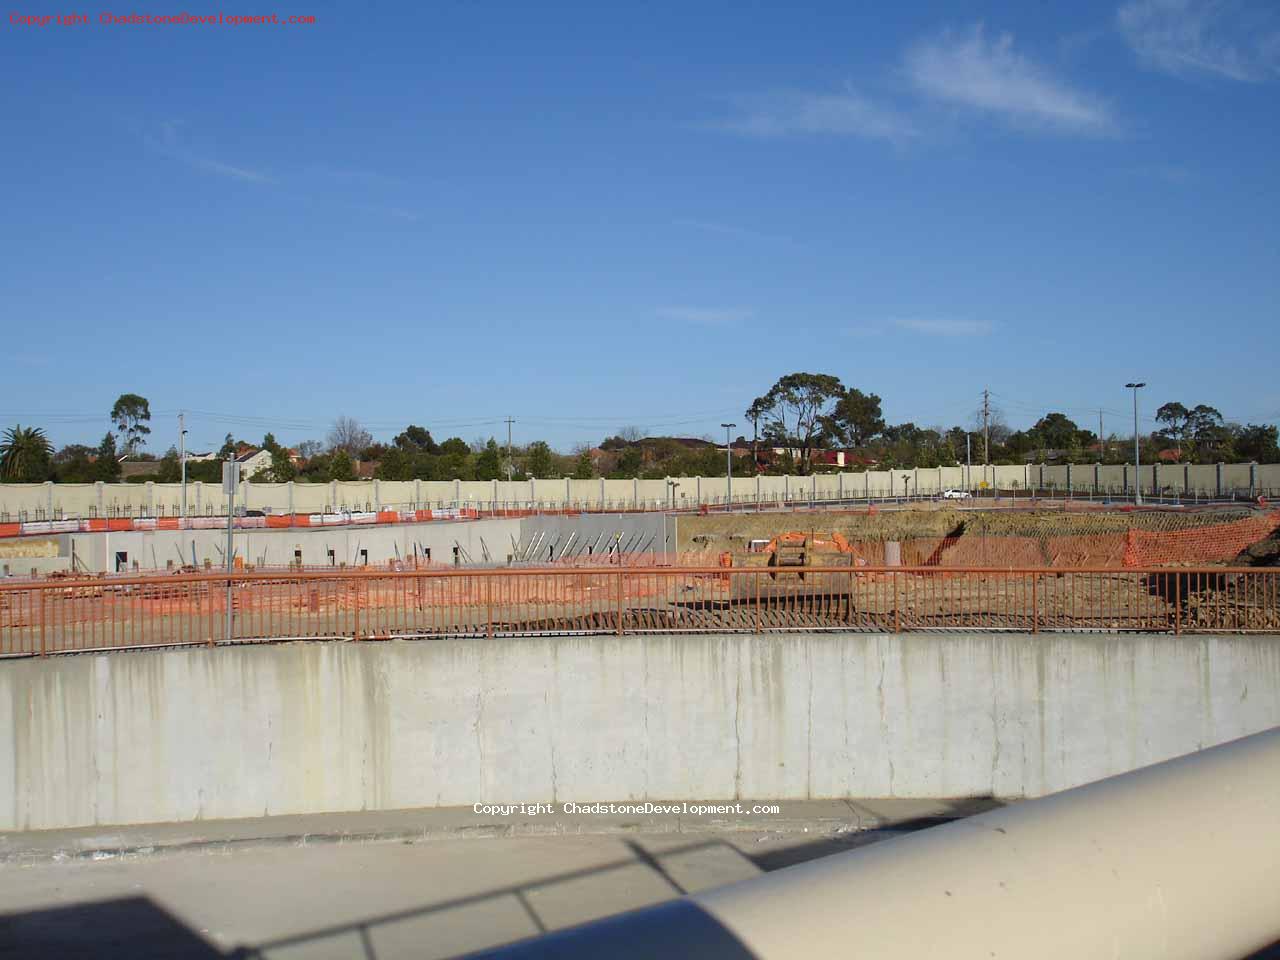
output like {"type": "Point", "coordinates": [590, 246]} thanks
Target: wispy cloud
{"type": "Point", "coordinates": [171, 145]}
{"type": "Point", "coordinates": [944, 327]}
{"type": "Point", "coordinates": [707, 316]}
{"type": "Point", "coordinates": [986, 74]}
{"type": "Point", "coordinates": [795, 113]}
{"type": "Point", "coordinates": [1203, 36]}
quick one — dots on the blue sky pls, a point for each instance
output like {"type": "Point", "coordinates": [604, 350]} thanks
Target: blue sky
{"type": "Point", "coordinates": [595, 215]}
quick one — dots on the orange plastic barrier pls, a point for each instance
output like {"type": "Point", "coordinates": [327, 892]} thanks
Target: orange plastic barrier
{"type": "Point", "coordinates": [388, 516]}
{"type": "Point", "coordinates": [168, 523]}
{"type": "Point", "coordinates": [10, 529]}
{"type": "Point", "coordinates": [122, 523]}
{"type": "Point", "coordinates": [277, 521]}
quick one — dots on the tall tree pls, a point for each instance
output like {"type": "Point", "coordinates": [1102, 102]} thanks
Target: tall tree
{"type": "Point", "coordinates": [758, 411]}
{"type": "Point", "coordinates": [74, 464]}
{"type": "Point", "coordinates": [340, 466]}
{"type": "Point", "coordinates": [130, 415]}
{"type": "Point", "coordinates": [25, 455]}
{"type": "Point", "coordinates": [489, 463]}
{"type": "Point", "coordinates": [799, 404]}
{"type": "Point", "coordinates": [348, 435]}
{"type": "Point", "coordinates": [856, 418]}
{"type": "Point", "coordinates": [416, 438]}
{"type": "Point", "coordinates": [107, 464]}
{"type": "Point", "coordinates": [1175, 417]}
{"type": "Point", "coordinates": [539, 461]}
{"type": "Point", "coordinates": [583, 468]}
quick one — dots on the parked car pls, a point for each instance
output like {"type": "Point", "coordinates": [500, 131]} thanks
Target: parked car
{"type": "Point", "coordinates": [956, 495]}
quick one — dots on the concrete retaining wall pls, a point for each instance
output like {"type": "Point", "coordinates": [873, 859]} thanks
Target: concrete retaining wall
{"type": "Point", "coordinates": [300, 728]}
{"type": "Point", "coordinates": [42, 501]}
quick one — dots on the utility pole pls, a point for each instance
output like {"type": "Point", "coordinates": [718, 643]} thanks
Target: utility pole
{"type": "Point", "coordinates": [1137, 475]}
{"type": "Point", "coordinates": [182, 459]}
{"type": "Point", "coordinates": [510, 463]}
{"type": "Point", "coordinates": [1102, 443]}
{"type": "Point", "coordinates": [728, 464]}
{"type": "Point", "coordinates": [986, 429]}
{"type": "Point", "coordinates": [968, 464]}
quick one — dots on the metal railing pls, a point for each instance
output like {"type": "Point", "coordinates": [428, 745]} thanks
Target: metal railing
{"type": "Point", "coordinates": [73, 615]}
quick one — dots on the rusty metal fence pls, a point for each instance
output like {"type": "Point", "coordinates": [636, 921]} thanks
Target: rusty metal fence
{"type": "Point", "coordinates": [66, 616]}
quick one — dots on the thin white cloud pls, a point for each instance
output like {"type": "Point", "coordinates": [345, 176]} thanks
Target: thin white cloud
{"type": "Point", "coordinates": [986, 74]}
{"type": "Point", "coordinates": [169, 144]}
{"type": "Point", "coordinates": [706, 316]}
{"type": "Point", "coordinates": [945, 328]}
{"type": "Point", "coordinates": [1203, 36]}
{"type": "Point", "coordinates": [798, 113]}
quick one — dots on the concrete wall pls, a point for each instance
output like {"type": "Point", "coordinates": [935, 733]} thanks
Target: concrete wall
{"type": "Point", "coordinates": [308, 727]}
{"type": "Point", "coordinates": [41, 501]}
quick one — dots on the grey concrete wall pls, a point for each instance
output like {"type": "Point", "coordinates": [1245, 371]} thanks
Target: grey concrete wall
{"type": "Point", "coordinates": [152, 549]}
{"type": "Point", "coordinates": [308, 727]}
{"type": "Point", "coordinates": [638, 531]}
{"type": "Point", "coordinates": [33, 501]}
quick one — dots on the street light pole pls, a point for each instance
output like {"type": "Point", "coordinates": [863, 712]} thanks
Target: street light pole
{"type": "Point", "coordinates": [728, 464]}
{"type": "Point", "coordinates": [1137, 474]}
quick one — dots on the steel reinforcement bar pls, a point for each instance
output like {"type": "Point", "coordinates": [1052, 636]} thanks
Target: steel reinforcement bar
{"type": "Point", "coordinates": [67, 616]}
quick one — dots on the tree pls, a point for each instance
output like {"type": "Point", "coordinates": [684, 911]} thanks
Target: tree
{"type": "Point", "coordinates": [169, 469]}
{"type": "Point", "coordinates": [1207, 433]}
{"type": "Point", "coordinates": [282, 469]}
{"type": "Point", "coordinates": [396, 464]}
{"type": "Point", "coordinates": [1258, 442]}
{"type": "Point", "coordinates": [107, 464]}
{"type": "Point", "coordinates": [856, 418]}
{"type": "Point", "coordinates": [1175, 418]}
{"type": "Point", "coordinates": [416, 439]}
{"type": "Point", "coordinates": [340, 466]}
{"type": "Point", "coordinates": [539, 461]}
{"type": "Point", "coordinates": [310, 448]}
{"type": "Point", "coordinates": [583, 469]}
{"type": "Point", "coordinates": [228, 449]}
{"type": "Point", "coordinates": [130, 415]}
{"type": "Point", "coordinates": [489, 463]}
{"type": "Point", "coordinates": [347, 435]}
{"type": "Point", "coordinates": [26, 456]}
{"type": "Point", "coordinates": [1057, 431]}
{"type": "Point", "coordinates": [798, 405]}
{"type": "Point", "coordinates": [758, 411]}
{"type": "Point", "coordinates": [74, 464]}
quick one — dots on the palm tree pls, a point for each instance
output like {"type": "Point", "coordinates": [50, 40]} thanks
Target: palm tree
{"type": "Point", "coordinates": [24, 455]}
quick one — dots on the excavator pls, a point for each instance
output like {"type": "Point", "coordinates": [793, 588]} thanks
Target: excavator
{"type": "Point", "coordinates": [799, 550]}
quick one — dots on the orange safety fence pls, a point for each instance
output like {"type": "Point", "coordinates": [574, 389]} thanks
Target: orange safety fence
{"type": "Point", "coordinates": [45, 617]}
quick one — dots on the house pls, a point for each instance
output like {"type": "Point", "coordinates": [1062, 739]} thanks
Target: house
{"type": "Point", "coordinates": [252, 461]}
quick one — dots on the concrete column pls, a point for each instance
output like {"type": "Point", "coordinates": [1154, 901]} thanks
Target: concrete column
{"type": "Point", "coordinates": [813, 487]}
{"type": "Point", "coordinates": [567, 493]}
{"type": "Point", "coordinates": [199, 495]}
{"type": "Point", "coordinates": [1124, 481]}
{"type": "Point", "coordinates": [377, 496]}
{"type": "Point", "coordinates": [48, 497]}
{"type": "Point", "coordinates": [866, 481]}
{"type": "Point", "coordinates": [457, 492]}
{"type": "Point", "coordinates": [494, 496]}
{"type": "Point", "coordinates": [915, 480]}
{"type": "Point", "coordinates": [635, 491]}
{"type": "Point", "coordinates": [1186, 479]}
{"type": "Point", "coordinates": [602, 493]}
{"type": "Point", "coordinates": [786, 486]}
{"type": "Point", "coordinates": [1068, 476]}
{"type": "Point", "coordinates": [1097, 477]}
{"type": "Point", "coordinates": [840, 485]}
{"type": "Point", "coordinates": [151, 499]}
{"type": "Point", "coordinates": [698, 490]}
{"type": "Point", "coordinates": [417, 494]}
{"type": "Point", "coordinates": [533, 491]}
{"type": "Point", "coordinates": [97, 493]}
{"type": "Point", "coordinates": [1217, 479]}
{"type": "Point", "coordinates": [1253, 480]}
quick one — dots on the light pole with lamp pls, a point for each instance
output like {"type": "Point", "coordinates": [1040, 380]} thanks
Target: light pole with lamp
{"type": "Point", "coordinates": [1137, 473]}
{"type": "Point", "coordinates": [728, 465]}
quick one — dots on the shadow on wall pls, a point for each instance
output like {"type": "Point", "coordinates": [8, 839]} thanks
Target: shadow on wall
{"type": "Point", "coordinates": [138, 929]}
